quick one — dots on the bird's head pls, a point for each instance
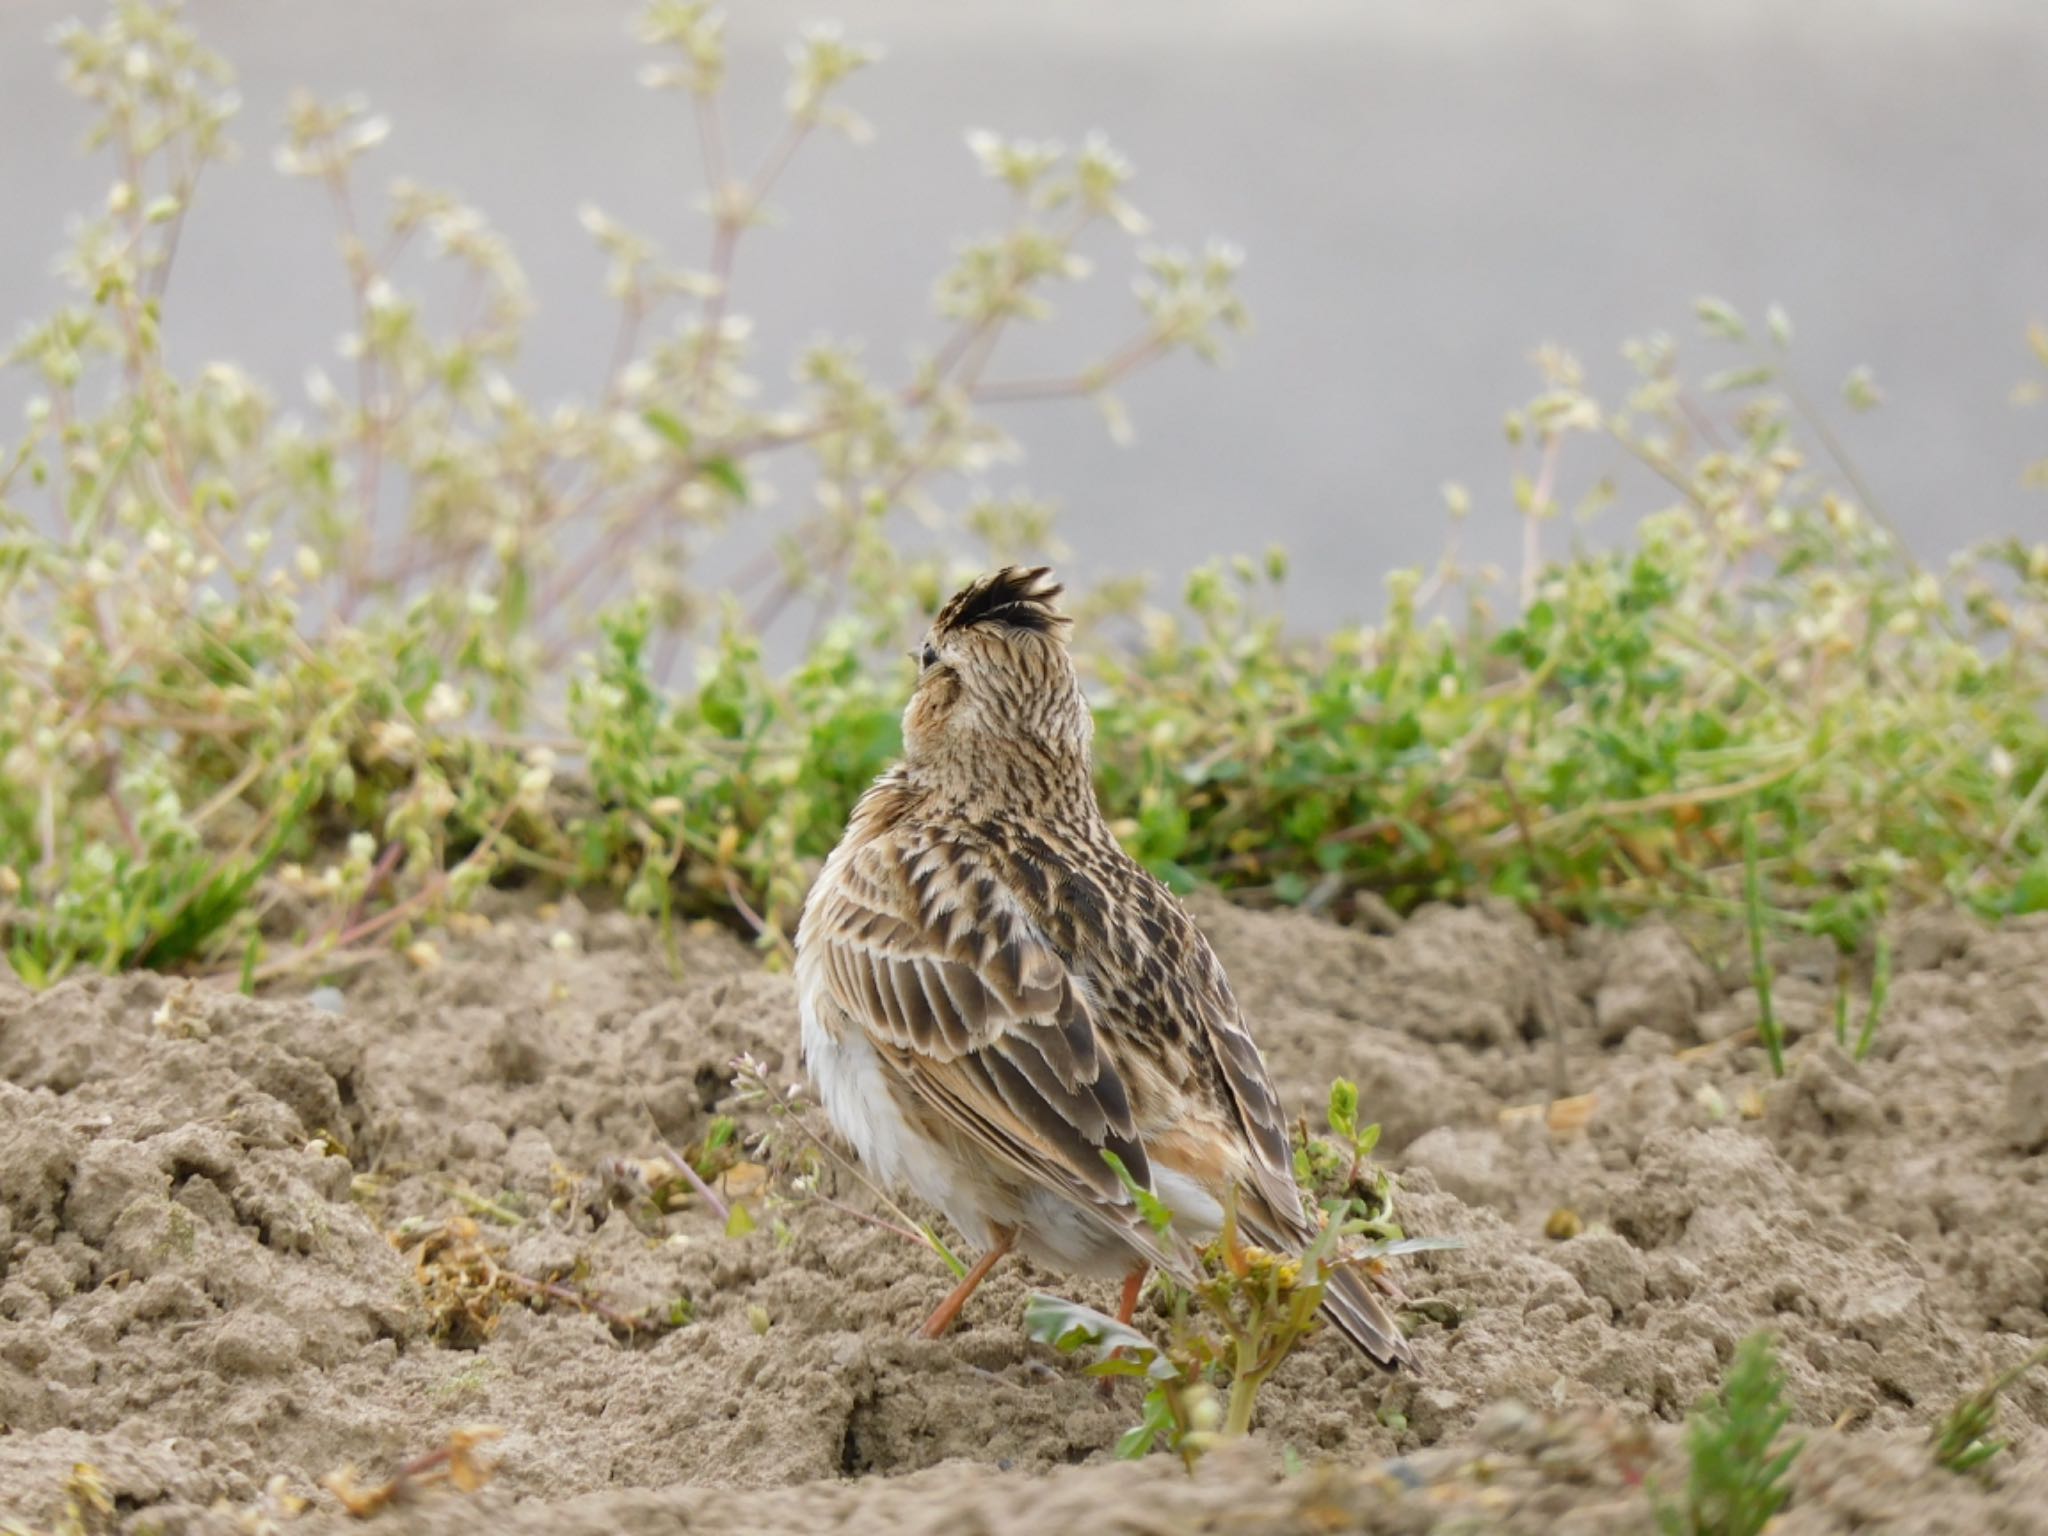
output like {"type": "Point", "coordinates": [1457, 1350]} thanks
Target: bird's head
{"type": "Point", "coordinates": [994, 676]}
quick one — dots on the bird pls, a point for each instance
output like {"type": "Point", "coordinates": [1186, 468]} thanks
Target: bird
{"type": "Point", "coordinates": [993, 994]}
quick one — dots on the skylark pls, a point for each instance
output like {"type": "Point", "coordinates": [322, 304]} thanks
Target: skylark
{"type": "Point", "coordinates": [994, 994]}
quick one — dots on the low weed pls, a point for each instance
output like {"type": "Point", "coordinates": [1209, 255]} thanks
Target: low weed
{"type": "Point", "coordinates": [282, 682]}
{"type": "Point", "coordinates": [1767, 1026]}
{"type": "Point", "coordinates": [1737, 1479]}
{"type": "Point", "coordinates": [1962, 1440]}
{"type": "Point", "coordinates": [1335, 1174]}
{"type": "Point", "coordinates": [88, 1507]}
{"type": "Point", "coordinates": [1248, 1309]}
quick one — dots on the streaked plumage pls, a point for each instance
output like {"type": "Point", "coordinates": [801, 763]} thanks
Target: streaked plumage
{"type": "Point", "coordinates": [993, 992]}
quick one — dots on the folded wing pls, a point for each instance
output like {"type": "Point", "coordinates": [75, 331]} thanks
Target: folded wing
{"type": "Point", "coordinates": [983, 1023]}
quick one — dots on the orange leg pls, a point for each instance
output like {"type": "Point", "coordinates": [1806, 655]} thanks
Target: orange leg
{"type": "Point", "coordinates": [947, 1311]}
{"type": "Point", "coordinates": [1134, 1282]}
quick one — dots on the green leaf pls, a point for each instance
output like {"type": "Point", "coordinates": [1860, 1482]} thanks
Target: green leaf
{"type": "Point", "coordinates": [252, 956]}
{"type": "Point", "coordinates": [2029, 893]}
{"type": "Point", "coordinates": [723, 473]}
{"type": "Point", "coordinates": [720, 706]}
{"type": "Point", "coordinates": [1344, 1108]}
{"type": "Point", "coordinates": [1393, 1248]}
{"type": "Point", "coordinates": [1154, 1210]}
{"type": "Point", "coordinates": [28, 966]}
{"type": "Point", "coordinates": [1157, 1425]}
{"type": "Point", "coordinates": [669, 428]}
{"type": "Point", "coordinates": [1072, 1328]}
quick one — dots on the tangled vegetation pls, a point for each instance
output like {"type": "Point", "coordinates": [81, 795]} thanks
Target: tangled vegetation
{"type": "Point", "coordinates": [283, 687]}
{"type": "Point", "coordinates": [1249, 1307]}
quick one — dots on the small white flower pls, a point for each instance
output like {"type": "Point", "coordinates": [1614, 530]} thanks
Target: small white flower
{"type": "Point", "coordinates": [444, 704]}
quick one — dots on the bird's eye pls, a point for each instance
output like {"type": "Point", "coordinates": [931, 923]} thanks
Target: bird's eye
{"type": "Point", "coordinates": [930, 655]}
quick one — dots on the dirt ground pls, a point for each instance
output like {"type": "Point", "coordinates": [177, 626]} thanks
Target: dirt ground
{"type": "Point", "coordinates": [214, 1213]}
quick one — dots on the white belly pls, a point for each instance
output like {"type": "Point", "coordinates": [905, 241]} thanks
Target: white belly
{"type": "Point", "coordinates": [848, 1077]}
{"type": "Point", "coordinates": [852, 1084]}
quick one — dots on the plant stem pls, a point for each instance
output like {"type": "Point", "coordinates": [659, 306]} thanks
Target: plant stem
{"type": "Point", "coordinates": [1244, 1390]}
{"type": "Point", "coordinates": [1759, 969]}
{"type": "Point", "coordinates": [1880, 988]}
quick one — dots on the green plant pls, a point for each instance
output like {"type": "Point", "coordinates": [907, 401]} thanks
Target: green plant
{"type": "Point", "coordinates": [1244, 1315]}
{"type": "Point", "coordinates": [1880, 990]}
{"type": "Point", "coordinates": [1246, 1309]}
{"type": "Point", "coordinates": [1736, 1482]}
{"type": "Point", "coordinates": [1182, 1411]}
{"type": "Point", "coordinates": [278, 694]}
{"type": "Point", "coordinates": [1767, 1025]}
{"type": "Point", "coordinates": [1335, 1175]}
{"type": "Point", "coordinates": [1762, 651]}
{"type": "Point", "coordinates": [1962, 1440]}
{"type": "Point", "coordinates": [280, 691]}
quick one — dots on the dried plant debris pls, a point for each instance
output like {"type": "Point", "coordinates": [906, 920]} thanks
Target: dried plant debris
{"type": "Point", "coordinates": [87, 1508]}
{"type": "Point", "coordinates": [465, 1284]}
{"type": "Point", "coordinates": [455, 1465]}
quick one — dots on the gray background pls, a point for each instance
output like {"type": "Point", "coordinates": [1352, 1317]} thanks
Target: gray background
{"type": "Point", "coordinates": [1425, 191]}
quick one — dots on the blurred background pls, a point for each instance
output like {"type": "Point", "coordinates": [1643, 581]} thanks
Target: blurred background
{"type": "Point", "coordinates": [1425, 193]}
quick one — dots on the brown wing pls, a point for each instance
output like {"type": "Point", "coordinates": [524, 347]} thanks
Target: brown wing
{"type": "Point", "coordinates": [1272, 1208]}
{"type": "Point", "coordinates": [981, 1020]}
{"type": "Point", "coordinates": [1185, 1006]}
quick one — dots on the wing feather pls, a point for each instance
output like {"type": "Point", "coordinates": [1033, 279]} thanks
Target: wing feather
{"type": "Point", "coordinates": [1275, 1216]}
{"type": "Point", "coordinates": [1259, 1115]}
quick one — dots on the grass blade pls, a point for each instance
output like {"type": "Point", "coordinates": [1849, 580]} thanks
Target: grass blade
{"type": "Point", "coordinates": [1759, 969]}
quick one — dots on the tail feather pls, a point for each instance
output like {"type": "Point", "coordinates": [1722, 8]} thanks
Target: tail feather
{"type": "Point", "coordinates": [1363, 1318]}
{"type": "Point", "coordinates": [1348, 1297]}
